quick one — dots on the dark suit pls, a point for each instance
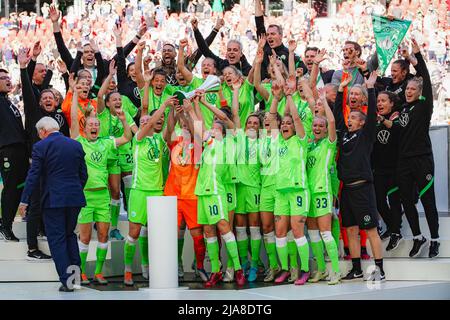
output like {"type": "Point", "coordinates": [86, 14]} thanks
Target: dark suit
{"type": "Point", "coordinates": [58, 165]}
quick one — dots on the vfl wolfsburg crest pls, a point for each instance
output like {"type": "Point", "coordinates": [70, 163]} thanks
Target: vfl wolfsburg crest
{"type": "Point", "coordinates": [388, 35]}
{"type": "Point", "coordinates": [96, 156]}
{"type": "Point", "coordinates": [211, 98]}
{"type": "Point", "coordinates": [311, 161]}
{"type": "Point", "coordinates": [302, 115]}
{"type": "Point", "coordinates": [282, 151]}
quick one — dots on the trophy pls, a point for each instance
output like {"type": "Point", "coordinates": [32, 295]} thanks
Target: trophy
{"type": "Point", "coordinates": [210, 85]}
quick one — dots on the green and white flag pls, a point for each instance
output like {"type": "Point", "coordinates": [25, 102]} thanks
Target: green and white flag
{"type": "Point", "coordinates": [388, 35]}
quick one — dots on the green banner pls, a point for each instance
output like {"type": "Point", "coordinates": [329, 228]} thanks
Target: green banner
{"type": "Point", "coordinates": [388, 35]}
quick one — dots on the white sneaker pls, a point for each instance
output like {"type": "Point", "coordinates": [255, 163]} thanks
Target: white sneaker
{"type": "Point", "coordinates": [334, 278]}
{"type": "Point", "coordinates": [229, 275]}
{"type": "Point", "coordinates": [145, 272]}
{"type": "Point", "coordinates": [180, 271]}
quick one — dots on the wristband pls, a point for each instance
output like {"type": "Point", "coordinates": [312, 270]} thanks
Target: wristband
{"type": "Point", "coordinates": [137, 36]}
{"type": "Point", "coordinates": [215, 30]}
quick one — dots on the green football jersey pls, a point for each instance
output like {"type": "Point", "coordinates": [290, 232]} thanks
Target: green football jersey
{"type": "Point", "coordinates": [259, 98]}
{"type": "Point", "coordinates": [270, 165]}
{"type": "Point", "coordinates": [319, 164]}
{"type": "Point", "coordinates": [211, 97]}
{"type": "Point", "coordinates": [248, 163]}
{"type": "Point", "coordinates": [96, 156]}
{"type": "Point", "coordinates": [128, 106]}
{"type": "Point", "coordinates": [293, 154]}
{"type": "Point", "coordinates": [148, 158]}
{"type": "Point", "coordinates": [305, 114]}
{"type": "Point", "coordinates": [155, 102]}
{"type": "Point", "coordinates": [246, 100]}
{"type": "Point", "coordinates": [111, 126]}
{"type": "Point", "coordinates": [231, 174]}
{"type": "Point", "coordinates": [211, 175]}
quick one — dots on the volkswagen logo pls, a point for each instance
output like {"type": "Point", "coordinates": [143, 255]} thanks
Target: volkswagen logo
{"type": "Point", "coordinates": [383, 136]}
{"type": "Point", "coordinates": [96, 156]}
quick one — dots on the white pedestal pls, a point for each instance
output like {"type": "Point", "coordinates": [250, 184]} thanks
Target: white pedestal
{"type": "Point", "coordinates": [162, 242]}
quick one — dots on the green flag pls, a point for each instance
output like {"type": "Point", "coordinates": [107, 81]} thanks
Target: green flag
{"type": "Point", "coordinates": [388, 35]}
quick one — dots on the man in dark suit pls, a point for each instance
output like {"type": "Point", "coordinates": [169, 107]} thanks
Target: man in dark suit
{"type": "Point", "coordinates": [58, 165]}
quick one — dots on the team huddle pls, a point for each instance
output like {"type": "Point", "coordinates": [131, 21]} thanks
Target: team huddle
{"type": "Point", "coordinates": [278, 154]}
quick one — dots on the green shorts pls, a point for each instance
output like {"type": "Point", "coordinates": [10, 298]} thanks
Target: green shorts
{"type": "Point", "coordinates": [126, 162]}
{"type": "Point", "coordinates": [248, 199]}
{"type": "Point", "coordinates": [268, 195]}
{"type": "Point", "coordinates": [292, 203]}
{"type": "Point", "coordinates": [230, 189]}
{"type": "Point", "coordinates": [211, 209]}
{"type": "Point", "coordinates": [137, 207]}
{"type": "Point", "coordinates": [113, 166]}
{"type": "Point", "coordinates": [97, 207]}
{"type": "Point", "coordinates": [321, 204]}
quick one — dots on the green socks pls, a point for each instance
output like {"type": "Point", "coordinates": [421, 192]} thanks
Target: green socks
{"type": "Point", "coordinates": [303, 250]}
{"type": "Point", "coordinates": [292, 249]}
{"type": "Point", "coordinates": [335, 230]}
{"type": "Point", "coordinates": [143, 246]}
{"type": "Point", "coordinates": [317, 249]}
{"type": "Point", "coordinates": [282, 250]}
{"type": "Point", "coordinates": [127, 182]}
{"type": "Point", "coordinates": [84, 249]}
{"type": "Point", "coordinates": [332, 250]}
{"type": "Point", "coordinates": [232, 249]}
{"type": "Point", "coordinates": [271, 250]}
{"type": "Point", "coordinates": [255, 245]}
{"type": "Point", "coordinates": [102, 250]}
{"type": "Point", "coordinates": [242, 243]}
{"type": "Point", "coordinates": [128, 252]}
{"type": "Point", "coordinates": [115, 212]}
{"type": "Point", "coordinates": [212, 245]}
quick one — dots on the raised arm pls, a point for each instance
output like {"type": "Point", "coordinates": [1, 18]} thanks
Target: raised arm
{"type": "Point", "coordinates": [307, 93]}
{"type": "Point", "coordinates": [180, 62]}
{"type": "Point", "coordinates": [122, 78]}
{"type": "Point", "coordinates": [371, 120]}
{"type": "Point", "coordinates": [292, 47]}
{"type": "Point", "coordinates": [62, 68]}
{"type": "Point", "coordinates": [259, 19]}
{"type": "Point", "coordinates": [127, 135]}
{"type": "Point", "coordinates": [145, 99]}
{"type": "Point", "coordinates": [145, 129]}
{"type": "Point", "coordinates": [422, 71]}
{"type": "Point", "coordinates": [218, 113]}
{"type": "Point", "coordinates": [192, 60]}
{"type": "Point", "coordinates": [76, 63]}
{"type": "Point", "coordinates": [330, 119]}
{"type": "Point", "coordinates": [140, 81]}
{"type": "Point", "coordinates": [289, 91]}
{"type": "Point", "coordinates": [30, 103]}
{"type": "Point", "coordinates": [104, 87]}
{"type": "Point", "coordinates": [338, 109]}
{"type": "Point", "coordinates": [74, 125]}
{"type": "Point", "coordinates": [62, 49]}
{"type": "Point", "coordinates": [35, 52]}
{"type": "Point", "coordinates": [277, 93]}
{"type": "Point", "coordinates": [100, 66]}
{"type": "Point", "coordinates": [170, 127]}
{"type": "Point", "coordinates": [204, 48]}
{"type": "Point", "coordinates": [315, 71]}
{"type": "Point", "coordinates": [235, 102]}
{"type": "Point", "coordinates": [257, 72]}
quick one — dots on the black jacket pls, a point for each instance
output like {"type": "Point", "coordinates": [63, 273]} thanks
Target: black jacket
{"type": "Point", "coordinates": [282, 51]}
{"type": "Point", "coordinates": [355, 147]}
{"type": "Point", "coordinates": [243, 65]}
{"type": "Point", "coordinates": [415, 118]}
{"type": "Point", "coordinates": [11, 126]}
{"type": "Point", "coordinates": [34, 113]}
